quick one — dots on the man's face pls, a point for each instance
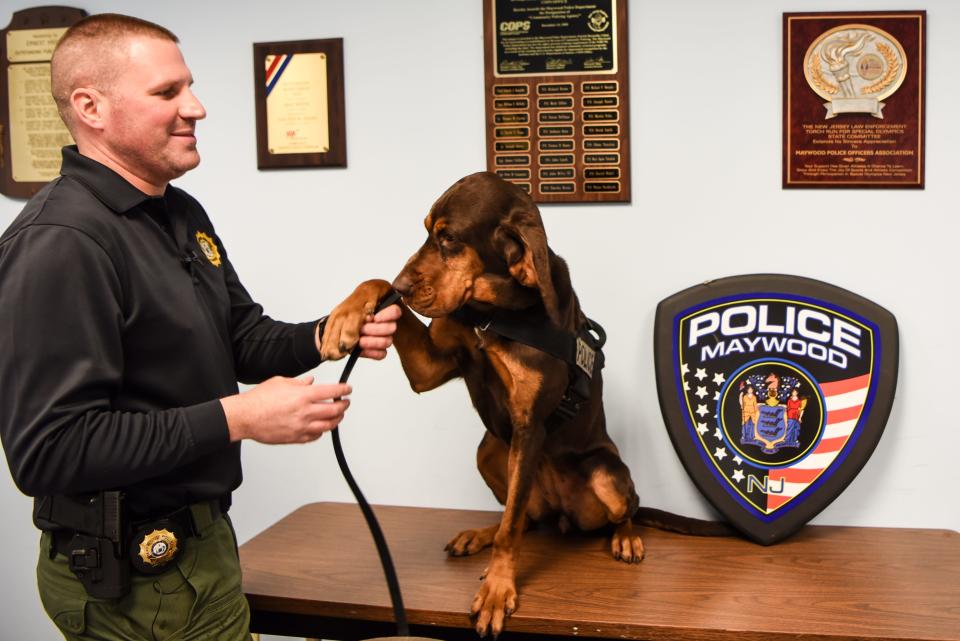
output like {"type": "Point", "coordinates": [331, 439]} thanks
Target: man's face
{"type": "Point", "coordinates": [152, 113]}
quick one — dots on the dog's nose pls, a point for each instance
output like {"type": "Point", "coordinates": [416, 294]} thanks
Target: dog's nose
{"type": "Point", "coordinates": [403, 284]}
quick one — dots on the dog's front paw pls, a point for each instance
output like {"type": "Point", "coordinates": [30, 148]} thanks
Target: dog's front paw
{"type": "Point", "coordinates": [342, 331]}
{"type": "Point", "coordinates": [471, 541]}
{"type": "Point", "coordinates": [626, 544]}
{"type": "Point", "coordinates": [495, 601]}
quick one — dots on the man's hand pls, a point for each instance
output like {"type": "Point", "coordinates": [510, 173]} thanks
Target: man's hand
{"type": "Point", "coordinates": [285, 410]}
{"type": "Point", "coordinates": [352, 322]}
{"type": "Point", "coordinates": [376, 335]}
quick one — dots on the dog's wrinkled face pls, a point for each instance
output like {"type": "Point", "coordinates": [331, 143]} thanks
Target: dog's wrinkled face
{"type": "Point", "coordinates": [485, 243]}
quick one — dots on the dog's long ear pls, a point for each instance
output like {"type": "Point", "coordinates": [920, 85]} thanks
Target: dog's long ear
{"type": "Point", "coordinates": [523, 241]}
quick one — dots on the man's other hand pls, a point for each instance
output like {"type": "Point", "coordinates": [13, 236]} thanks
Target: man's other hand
{"type": "Point", "coordinates": [285, 410]}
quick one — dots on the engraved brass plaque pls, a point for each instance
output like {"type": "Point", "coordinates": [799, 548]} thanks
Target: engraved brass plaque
{"type": "Point", "coordinates": [560, 66]}
{"type": "Point", "coordinates": [31, 131]}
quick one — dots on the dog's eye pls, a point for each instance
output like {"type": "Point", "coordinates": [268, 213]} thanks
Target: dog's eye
{"type": "Point", "coordinates": [448, 244]}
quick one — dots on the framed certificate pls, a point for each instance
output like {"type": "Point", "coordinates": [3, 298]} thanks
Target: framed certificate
{"type": "Point", "coordinates": [853, 99]}
{"type": "Point", "coordinates": [299, 104]}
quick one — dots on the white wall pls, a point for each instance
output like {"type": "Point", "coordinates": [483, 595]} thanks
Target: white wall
{"type": "Point", "coordinates": [706, 119]}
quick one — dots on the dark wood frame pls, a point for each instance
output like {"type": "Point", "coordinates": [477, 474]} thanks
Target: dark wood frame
{"type": "Point", "coordinates": [792, 78]}
{"type": "Point", "coordinates": [622, 76]}
{"type": "Point", "coordinates": [337, 156]}
{"type": "Point", "coordinates": [34, 18]}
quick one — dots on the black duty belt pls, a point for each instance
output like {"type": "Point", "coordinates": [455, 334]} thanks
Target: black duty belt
{"type": "Point", "coordinates": [150, 544]}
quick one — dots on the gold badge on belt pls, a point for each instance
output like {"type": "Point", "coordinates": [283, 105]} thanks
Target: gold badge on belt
{"type": "Point", "coordinates": [158, 547]}
{"type": "Point", "coordinates": [155, 545]}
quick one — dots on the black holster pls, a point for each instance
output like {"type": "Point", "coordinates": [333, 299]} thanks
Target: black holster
{"type": "Point", "coordinates": [88, 530]}
{"type": "Point", "coordinates": [94, 561]}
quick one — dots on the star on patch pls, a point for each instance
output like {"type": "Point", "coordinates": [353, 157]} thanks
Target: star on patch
{"type": "Point", "coordinates": [738, 475]}
{"type": "Point", "coordinates": [702, 410]}
{"type": "Point", "coordinates": [701, 374]}
{"type": "Point", "coordinates": [720, 453]}
{"type": "Point", "coordinates": [718, 378]}
{"type": "Point", "coordinates": [701, 391]}
{"type": "Point", "coordinates": [684, 369]}
{"type": "Point", "coordinates": [737, 460]}
{"type": "Point", "coordinates": [702, 428]}
{"type": "Point", "coordinates": [718, 434]}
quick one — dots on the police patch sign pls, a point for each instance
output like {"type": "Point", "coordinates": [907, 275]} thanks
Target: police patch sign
{"type": "Point", "coordinates": [775, 391]}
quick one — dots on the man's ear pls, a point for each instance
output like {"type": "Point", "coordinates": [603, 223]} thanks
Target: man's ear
{"type": "Point", "coordinates": [89, 107]}
{"type": "Point", "coordinates": [523, 244]}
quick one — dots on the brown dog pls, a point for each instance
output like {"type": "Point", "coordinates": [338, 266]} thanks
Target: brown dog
{"type": "Point", "coordinates": [486, 257]}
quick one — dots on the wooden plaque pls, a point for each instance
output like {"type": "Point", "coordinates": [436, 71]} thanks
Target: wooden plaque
{"type": "Point", "coordinates": [299, 104]}
{"type": "Point", "coordinates": [853, 99]}
{"type": "Point", "coordinates": [31, 132]}
{"type": "Point", "coordinates": [557, 99]}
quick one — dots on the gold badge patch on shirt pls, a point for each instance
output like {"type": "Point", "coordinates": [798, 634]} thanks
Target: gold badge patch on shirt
{"type": "Point", "coordinates": [209, 248]}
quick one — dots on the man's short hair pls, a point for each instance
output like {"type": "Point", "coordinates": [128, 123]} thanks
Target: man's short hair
{"type": "Point", "coordinates": [81, 57]}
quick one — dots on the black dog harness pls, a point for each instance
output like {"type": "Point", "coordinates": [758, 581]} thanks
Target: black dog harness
{"type": "Point", "coordinates": [580, 350]}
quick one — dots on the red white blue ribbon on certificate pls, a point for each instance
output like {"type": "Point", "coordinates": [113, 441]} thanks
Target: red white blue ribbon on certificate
{"type": "Point", "coordinates": [275, 68]}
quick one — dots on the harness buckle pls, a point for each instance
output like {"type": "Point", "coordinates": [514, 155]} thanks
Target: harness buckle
{"type": "Point", "coordinates": [479, 330]}
{"type": "Point", "coordinates": [568, 407]}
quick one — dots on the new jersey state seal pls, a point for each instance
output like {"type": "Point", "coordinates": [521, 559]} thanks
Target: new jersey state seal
{"type": "Point", "coordinates": [775, 391]}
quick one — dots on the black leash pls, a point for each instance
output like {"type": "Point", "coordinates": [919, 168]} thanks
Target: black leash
{"type": "Point", "coordinates": [399, 613]}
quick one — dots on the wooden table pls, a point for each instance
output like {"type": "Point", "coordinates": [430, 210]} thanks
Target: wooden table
{"type": "Point", "coordinates": [316, 574]}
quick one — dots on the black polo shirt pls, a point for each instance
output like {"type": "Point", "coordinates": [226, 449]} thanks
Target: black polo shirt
{"type": "Point", "coordinates": [122, 322]}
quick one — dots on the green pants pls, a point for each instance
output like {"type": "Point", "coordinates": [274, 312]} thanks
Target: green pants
{"type": "Point", "coordinates": [199, 598]}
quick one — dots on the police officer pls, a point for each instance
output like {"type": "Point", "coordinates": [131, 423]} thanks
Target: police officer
{"type": "Point", "coordinates": [123, 332]}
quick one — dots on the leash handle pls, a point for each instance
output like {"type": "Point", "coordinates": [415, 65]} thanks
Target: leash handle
{"type": "Point", "coordinates": [389, 571]}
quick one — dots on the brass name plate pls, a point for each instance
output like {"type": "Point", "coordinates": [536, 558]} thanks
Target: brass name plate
{"type": "Point", "coordinates": [559, 66]}
{"type": "Point", "coordinates": [556, 145]}
{"type": "Point", "coordinates": [513, 145]}
{"type": "Point", "coordinates": [566, 172]}
{"type": "Point", "coordinates": [510, 90]}
{"type": "Point", "coordinates": [511, 118]}
{"type": "Point", "coordinates": [514, 174]}
{"type": "Point", "coordinates": [33, 45]}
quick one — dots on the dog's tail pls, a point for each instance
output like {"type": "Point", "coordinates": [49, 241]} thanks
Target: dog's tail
{"type": "Point", "coordinates": [671, 522]}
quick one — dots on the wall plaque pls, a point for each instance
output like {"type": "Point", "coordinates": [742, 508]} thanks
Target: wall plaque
{"type": "Point", "coordinates": [559, 67]}
{"type": "Point", "coordinates": [299, 104]}
{"type": "Point", "coordinates": [853, 99]}
{"type": "Point", "coordinates": [31, 132]}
